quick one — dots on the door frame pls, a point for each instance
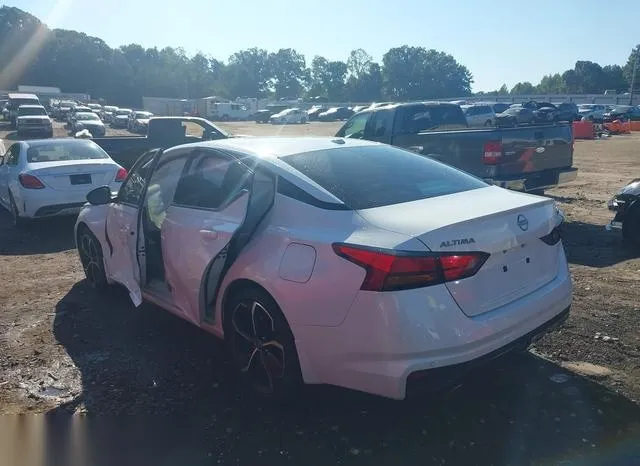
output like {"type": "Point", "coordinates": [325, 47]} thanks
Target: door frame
{"type": "Point", "coordinates": [136, 260]}
{"type": "Point", "coordinates": [210, 284]}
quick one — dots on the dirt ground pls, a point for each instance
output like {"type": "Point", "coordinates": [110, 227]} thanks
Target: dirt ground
{"type": "Point", "coordinates": [572, 400]}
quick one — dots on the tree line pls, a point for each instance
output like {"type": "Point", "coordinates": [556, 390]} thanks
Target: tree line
{"type": "Point", "coordinates": [30, 53]}
{"type": "Point", "coordinates": [586, 77]}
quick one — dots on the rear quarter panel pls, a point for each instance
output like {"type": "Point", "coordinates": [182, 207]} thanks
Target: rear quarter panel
{"type": "Point", "coordinates": [325, 299]}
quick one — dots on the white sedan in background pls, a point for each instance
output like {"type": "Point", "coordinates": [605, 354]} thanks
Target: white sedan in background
{"type": "Point", "coordinates": [41, 178]}
{"type": "Point", "coordinates": [289, 116]}
{"type": "Point", "coordinates": [328, 260]}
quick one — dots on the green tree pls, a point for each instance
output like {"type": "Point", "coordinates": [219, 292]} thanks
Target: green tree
{"type": "Point", "coordinates": [289, 73]}
{"type": "Point", "coordinates": [551, 84]}
{"type": "Point", "coordinates": [249, 73]}
{"type": "Point", "coordinates": [524, 88]}
{"type": "Point", "coordinates": [633, 61]}
{"type": "Point", "coordinates": [414, 73]}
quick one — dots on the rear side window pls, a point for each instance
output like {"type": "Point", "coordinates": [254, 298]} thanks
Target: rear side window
{"type": "Point", "coordinates": [375, 176]}
{"type": "Point", "coordinates": [417, 118]}
{"type": "Point", "coordinates": [382, 123]}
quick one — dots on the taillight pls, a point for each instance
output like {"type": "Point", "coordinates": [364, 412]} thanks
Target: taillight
{"type": "Point", "coordinates": [122, 174]}
{"type": "Point", "coordinates": [492, 152]}
{"type": "Point", "coordinates": [30, 181]}
{"type": "Point", "coordinates": [389, 270]}
{"type": "Point", "coordinates": [552, 238]}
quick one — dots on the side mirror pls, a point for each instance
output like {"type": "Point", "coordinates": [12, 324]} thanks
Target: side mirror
{"type": "Point", "coordinates": [100, 196]}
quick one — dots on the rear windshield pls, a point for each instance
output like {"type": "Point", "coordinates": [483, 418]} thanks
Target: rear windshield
{"type": "Point", "coordinates": [375, 176]}
{"type": "Point", "coordinates": [57, 151]}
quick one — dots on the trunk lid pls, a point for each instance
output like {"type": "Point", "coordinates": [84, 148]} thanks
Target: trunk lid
{"type": "Point", "coordinates": [505, 224]}
{"type": "Point", "coordinates": [75, 175]}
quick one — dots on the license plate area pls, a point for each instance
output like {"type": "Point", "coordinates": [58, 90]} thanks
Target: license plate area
{"type": "Point", "coordinates": [84, 178]}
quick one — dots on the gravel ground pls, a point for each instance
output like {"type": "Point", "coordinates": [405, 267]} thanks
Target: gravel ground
{"type": "Point", "coordinates": [572, 400]}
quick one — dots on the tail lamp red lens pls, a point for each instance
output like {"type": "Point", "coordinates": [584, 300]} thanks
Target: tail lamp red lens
{"type": "Point", "coordinates": [492, 152]}
{"type": "Point", "coordinates": [122, 174]}
{"type": "Point", "coordinates": [30, 181]}
{"type": "Point", "coordinates": [389, 270]}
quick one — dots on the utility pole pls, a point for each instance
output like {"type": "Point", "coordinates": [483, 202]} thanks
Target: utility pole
{"type": "Point", "coordinates": [633, 76]}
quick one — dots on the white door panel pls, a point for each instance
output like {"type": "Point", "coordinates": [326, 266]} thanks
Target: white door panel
{"type": "Point", "coordinates": [122, 265]}
{"type": "Point", "coordinates": [206, 233]}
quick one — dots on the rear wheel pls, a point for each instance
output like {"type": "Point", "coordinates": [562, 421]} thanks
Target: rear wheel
{"type": "Point", "coordinates": [261, 344]}
{"type": "Point", "coordinates": [92, 259]}
{"type": "Point", "coordinates": [631, 226]}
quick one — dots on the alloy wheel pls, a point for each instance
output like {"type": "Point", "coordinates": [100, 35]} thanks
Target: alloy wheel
{"type": "Point", "coordinates": [256, 346]}
{"type": "Point", "coordinates": [91, 258]}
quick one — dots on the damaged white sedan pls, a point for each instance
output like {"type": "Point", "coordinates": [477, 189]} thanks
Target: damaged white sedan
{"type": "Point", "coordinates": [331, 261]}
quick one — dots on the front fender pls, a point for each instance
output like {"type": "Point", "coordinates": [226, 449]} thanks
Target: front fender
{"type": "Point", "coordinates": [94, 217]}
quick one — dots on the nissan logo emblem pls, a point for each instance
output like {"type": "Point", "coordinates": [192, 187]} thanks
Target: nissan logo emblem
{"type": "Point", "coordinates": [523, 223]}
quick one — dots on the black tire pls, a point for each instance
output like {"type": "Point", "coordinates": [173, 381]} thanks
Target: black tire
{"type": "Point", "coordinates": [631, 226]}
{"type": "Point", "coordinates": [261, 345]}
{"type": "Point", "coordinates": [487, 123]}
{"type": "Point", "coordinates": [92, 259]}
{"type": "Point", "coordinates": [17, 221]}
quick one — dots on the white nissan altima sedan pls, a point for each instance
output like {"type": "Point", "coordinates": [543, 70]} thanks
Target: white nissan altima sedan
{"type": "Point", "coordinates": [42, 178]}
{"type": "Point", "coordinates": [331, 261]}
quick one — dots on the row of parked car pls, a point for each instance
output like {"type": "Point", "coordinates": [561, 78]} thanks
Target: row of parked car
{"type": "Point", "coordinates": [283, 114]}
{"type": "Point", "coordinates": [479, 114]}
{"type": "Point", "coordinates": [80, 116]}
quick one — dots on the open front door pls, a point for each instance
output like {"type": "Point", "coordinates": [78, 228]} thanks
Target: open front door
{"type": "Point", "coordinates": [217, 206]}
{"type": "Point", "coordinates": [124, 235]}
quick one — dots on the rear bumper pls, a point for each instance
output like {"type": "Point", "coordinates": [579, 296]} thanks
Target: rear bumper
{"type": "Point", "coordinates": [434, 379]}
{"type": "Point", "coordinates": [388, 337]}
{"type": "Point", "coordinates": [37, 203]}
{"type": "Point", "coordinates": [536, 181]}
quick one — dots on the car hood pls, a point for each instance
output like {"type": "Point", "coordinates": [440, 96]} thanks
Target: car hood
{"type": "Point", "coordinates": [33, 118]}
{"type": "Point", "coordinates": [122, 117]}
{"type": "Point", "coordinates": [143, 121]}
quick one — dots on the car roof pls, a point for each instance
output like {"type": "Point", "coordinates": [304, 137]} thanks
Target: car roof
{"type": "Point", "coordinates": [22, 96]}
{"type": "Point", "coordinates": [30, 106]}
{"type": "Point", "coordinates": [276, 147]}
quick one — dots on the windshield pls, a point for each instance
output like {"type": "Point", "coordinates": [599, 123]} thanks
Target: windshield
{"type": "Point", "coordinates": [143, 115]}
{"type": "Point", "coordinates": [375, 176]}
{"type": "Point", "coordinates": [61, 150]}
{"type": "Point", "coordinates": [86, 116]}
{"type": "Point", "coordinates": [22, 111]}
{"type": "Point", "coordinates": [123, 112]}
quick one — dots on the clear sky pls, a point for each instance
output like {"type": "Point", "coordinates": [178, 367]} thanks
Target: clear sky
{"type": "Point", "coordinates": [500, 41]}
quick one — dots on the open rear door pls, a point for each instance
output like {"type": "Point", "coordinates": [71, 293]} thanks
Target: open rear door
{"type": "Point", "coordinates": [261, 198]}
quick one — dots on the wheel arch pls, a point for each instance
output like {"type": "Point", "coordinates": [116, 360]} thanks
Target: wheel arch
{"type": "Point", "coordinates": [309, 375]}
{"type": "Point", "coordinates": [237, 285]}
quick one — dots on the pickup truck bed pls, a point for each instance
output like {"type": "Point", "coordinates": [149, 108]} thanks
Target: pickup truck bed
{"type": "Point", "coordinates": [164, 132]}
{"type": "Point", "coordinates": [531, 158]}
